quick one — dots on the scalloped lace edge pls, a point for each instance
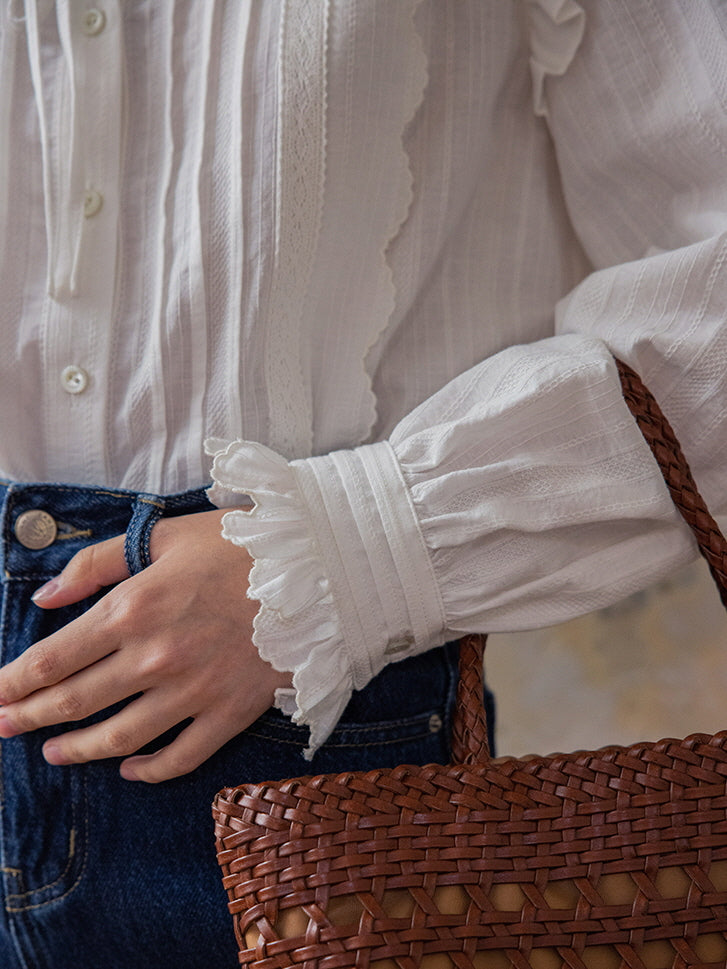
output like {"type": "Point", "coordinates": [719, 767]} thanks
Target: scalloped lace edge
{"type": "Point", "coordinates": [381, 313]}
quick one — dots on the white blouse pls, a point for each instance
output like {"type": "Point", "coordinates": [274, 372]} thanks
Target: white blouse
{"type": "Point", "coordinates": [379, 254]}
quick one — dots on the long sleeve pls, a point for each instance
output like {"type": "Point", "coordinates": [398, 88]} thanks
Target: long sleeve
{"type": "Point", "coordinates": [521, 493]}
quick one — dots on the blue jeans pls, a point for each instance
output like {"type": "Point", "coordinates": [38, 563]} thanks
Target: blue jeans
{"type": "Point", "coordinates": [101, 872]}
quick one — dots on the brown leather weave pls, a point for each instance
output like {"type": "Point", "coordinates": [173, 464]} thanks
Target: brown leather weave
{"type": "Point", "coordinates": [592, 860]}
{"type": "Point", "coordinates": [678, 476]}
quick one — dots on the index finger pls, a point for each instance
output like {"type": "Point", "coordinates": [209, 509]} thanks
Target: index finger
{"type": "Point", "coordinates": [90, 570]}
{"type": "Point", "coordinates": [81, 643]}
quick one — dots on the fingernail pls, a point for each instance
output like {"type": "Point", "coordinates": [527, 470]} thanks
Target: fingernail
{"type": "Point", "coordinates": [7, 730]}
{"type": "Point", "coordinates": [53, 755]}
{"type": "Point", "coordinates": [128, 773]}
{"type": "Point", "coordinates": [46, 591]}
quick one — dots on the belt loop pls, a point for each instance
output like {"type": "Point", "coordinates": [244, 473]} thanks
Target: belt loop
{"type": "Point", "coordinates": [147, 511]}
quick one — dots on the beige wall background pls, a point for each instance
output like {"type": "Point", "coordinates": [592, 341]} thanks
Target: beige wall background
{"type": "Point", "coordinates": [654, 666]}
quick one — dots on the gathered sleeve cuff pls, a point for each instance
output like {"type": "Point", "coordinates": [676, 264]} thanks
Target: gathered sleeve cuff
{"type": "Point", "coordinates": [342, 573]}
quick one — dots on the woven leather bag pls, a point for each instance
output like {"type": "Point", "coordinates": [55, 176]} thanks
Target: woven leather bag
{"type": "Point", "coordinates": [591, 860]}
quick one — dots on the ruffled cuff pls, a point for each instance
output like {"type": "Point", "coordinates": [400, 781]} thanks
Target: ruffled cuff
{"type": "Point", "coordinates": [341, 571]}
{"type": "Point", "coordinates": [556, 30]}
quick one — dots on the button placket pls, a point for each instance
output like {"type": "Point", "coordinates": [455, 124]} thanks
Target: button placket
{"type": "Point", "coordinates": [79, 324]}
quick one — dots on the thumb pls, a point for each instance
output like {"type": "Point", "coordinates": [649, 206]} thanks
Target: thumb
{"type": "Point", "coordinates": [91, 569]}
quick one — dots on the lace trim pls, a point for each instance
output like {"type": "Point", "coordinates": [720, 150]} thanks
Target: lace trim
{"type": "Point", "coordinates": [318, 44]}
{"type": "Point", "coordinates": [301, 172]}
{"type": "Point", "coordinates": [556, 31]}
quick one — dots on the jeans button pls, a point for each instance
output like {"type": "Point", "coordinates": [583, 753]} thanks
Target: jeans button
{"type": "Point", "coordinates": [35, 529]}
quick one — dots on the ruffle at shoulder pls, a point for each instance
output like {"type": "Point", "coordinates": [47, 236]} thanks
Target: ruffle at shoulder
{"type": "Point", "coordinates": [555, 30]}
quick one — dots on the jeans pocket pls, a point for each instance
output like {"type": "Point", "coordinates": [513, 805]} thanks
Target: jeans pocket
{"type": "Point", "coordinates": [43, 818]}
{"type": "Point", "coordinates": [45, 854]}
{"type": "Point", "coordinates": [416, 739]}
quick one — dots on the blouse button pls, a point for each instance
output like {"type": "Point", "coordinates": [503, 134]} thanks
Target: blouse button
{"type": "Point", "coordinates": [92, 202]}
{"type": "Point", "coordinates": [74, 380]}
{"type": "Point", "coordinates": [93, 22]}
{"type": "Point", "coordinates": [399, 646]}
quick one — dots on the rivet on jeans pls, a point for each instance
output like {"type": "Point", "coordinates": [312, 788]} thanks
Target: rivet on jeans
{"type": "Point", "coordinates": [435, 723]}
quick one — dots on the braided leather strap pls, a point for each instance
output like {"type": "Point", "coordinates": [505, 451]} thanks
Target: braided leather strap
{"type": "Point", "coordinates": [666, 449]}
{"type": "Point", "coordinates": [469, 729]}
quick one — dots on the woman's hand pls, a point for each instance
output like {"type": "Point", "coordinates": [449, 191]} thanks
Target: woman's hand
{"type": "Point", "coordinates": [179, 634]}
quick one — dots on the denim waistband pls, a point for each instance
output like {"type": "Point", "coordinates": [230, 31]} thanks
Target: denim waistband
{"type": "Point", "coordinates": [44, 525]}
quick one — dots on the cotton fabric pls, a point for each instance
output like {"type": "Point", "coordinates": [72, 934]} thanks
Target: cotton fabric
{"type": "Point", "coordinates": [394, 245]}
